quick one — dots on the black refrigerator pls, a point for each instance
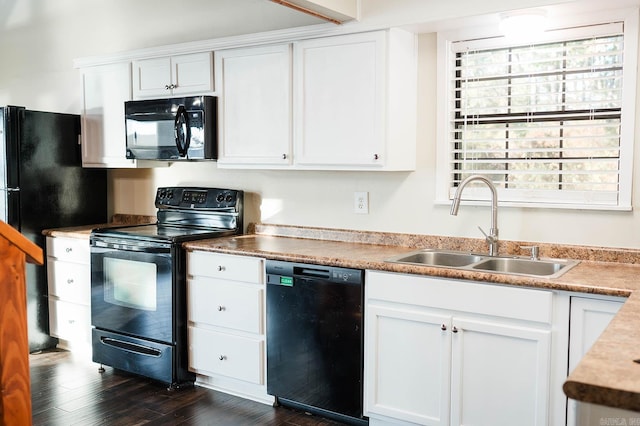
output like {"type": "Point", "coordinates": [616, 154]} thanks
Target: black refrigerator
{"type": "Point", "coordinates": [43, 186]}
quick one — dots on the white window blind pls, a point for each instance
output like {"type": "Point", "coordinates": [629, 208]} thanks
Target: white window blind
{"type": "Point", "coordinates": [542, 121]}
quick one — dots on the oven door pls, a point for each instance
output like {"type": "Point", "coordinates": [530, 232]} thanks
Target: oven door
{"type": "Point", "coordinates": [132, 289]}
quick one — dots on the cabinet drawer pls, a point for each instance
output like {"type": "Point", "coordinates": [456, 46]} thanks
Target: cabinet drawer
{"type": "Point", "coordinates": [70, 321]}
{"type": "Point", "coordinates": [228, 267]}
{"type": "Point", "coordinates": [225, 354]}
{"type": "Point", "coordinates": [225, 304]}
{"type": "Point", "coordinates": [72, 249]}
{"type": "Point", "coordinates": [69, 281]}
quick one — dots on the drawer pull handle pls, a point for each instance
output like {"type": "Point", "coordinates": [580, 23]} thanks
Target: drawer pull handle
{"type": "Point", "coordinates": [69, 280]}
{"type": "Point", "coordinates": [454, 329]}
{"type": "Point", "coordinates": [221, 268]}
{"type": "Point", "coordinates": [222, 357]}
{"type": "Point", "coordinates": [443, 327]}
{"type": "Point", "coordinates": [68, 249]}
{"type": "Point", "coordinates": [221, 308]}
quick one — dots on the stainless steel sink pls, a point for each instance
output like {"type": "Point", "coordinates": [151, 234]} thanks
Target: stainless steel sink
{"type": "Point", "coordinates": [548, 268]}
{"type": "Point", "coordinates": [438, 258]}
{"type": "Point", "coordinates": [521, 266]}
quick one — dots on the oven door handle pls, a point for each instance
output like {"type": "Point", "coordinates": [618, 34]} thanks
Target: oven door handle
{"type": "Point", "coordinates": [133, 247]}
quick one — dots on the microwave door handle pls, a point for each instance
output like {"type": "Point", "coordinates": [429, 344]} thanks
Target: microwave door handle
{"type": "Point", "coordinates": [182, 131]}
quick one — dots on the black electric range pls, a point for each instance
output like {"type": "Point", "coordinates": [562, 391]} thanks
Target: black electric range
{"type": "Point", "coordinates": [138, 281]}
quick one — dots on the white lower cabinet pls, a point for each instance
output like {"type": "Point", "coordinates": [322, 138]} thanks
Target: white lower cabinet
{"type": "Point", "coordinates": [408, 364]}
{"type": "Point", "coordinates": [440, 352]}
{"type": "Point", "coordinates": [69, 284]}
{"type": "Point", "coordinates": [225, 313]}
{"type": "Point", "coordinates": [589, 317]}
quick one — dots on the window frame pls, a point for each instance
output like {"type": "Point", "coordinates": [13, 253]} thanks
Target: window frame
{"type": "Point", "coordinates": [578, 27]}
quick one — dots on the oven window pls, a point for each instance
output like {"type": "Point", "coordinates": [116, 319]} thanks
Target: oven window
{"type": "Point", "coordinates": [130, 283]}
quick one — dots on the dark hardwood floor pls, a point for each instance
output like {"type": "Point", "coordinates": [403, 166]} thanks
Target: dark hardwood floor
{"type": "Point", "coordinates": [66, 391]}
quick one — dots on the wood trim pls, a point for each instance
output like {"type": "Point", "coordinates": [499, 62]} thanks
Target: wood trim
{"type": "Point", "coordinates": [307, 11]}
{"type": "Point", "coordinates": [32, 251]}
{"type": "Point", "coordinates": [15, 398]}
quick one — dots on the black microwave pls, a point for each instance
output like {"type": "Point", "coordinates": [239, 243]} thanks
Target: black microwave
{"type": "Point", "coordinates": [172, 129]}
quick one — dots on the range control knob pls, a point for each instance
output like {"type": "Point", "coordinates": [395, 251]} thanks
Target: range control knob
{"type": "Point", "coordinates": [220, 198]}
{"type": "Point", "coordinates": [229, 198]}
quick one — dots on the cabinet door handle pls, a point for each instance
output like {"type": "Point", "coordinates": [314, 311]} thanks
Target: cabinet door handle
{"type": "Point", "coordinates": [221, 268]}
{"type": "Point", "coordinates": [222, 357]}
{"type": "Point", "coordinates": [221, 308]}
{"type": "Point", "coordinates": [454, 329]}
{"type": "Point", "coordinates": [69, 280]}
{"type": "Point", "coordinates": [167, 87]}
{"type": "Point", "coordinates": [376, 157]}
{"type": "Point", "coordinates": [68, 249]}
{"type": "Point", "coordinates": [443, 327]}
{"type": "Point", "coordinates": [284, 156]}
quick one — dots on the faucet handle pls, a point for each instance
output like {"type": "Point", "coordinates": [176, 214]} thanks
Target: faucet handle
{"type": "Point", "coordinates": [489, 238]}
{"type": "Point", "coordinates": [534, 251]}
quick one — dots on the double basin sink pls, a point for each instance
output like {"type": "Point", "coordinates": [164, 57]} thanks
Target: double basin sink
{"type": "Point", "coordinates": [547, 268]}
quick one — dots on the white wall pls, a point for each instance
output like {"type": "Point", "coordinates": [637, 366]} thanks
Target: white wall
{"type": "Point", "coordinates": [39, 75]}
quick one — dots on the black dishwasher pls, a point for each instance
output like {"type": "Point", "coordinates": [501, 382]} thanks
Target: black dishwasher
{"type": "Point", "coordinates": [315, 335]}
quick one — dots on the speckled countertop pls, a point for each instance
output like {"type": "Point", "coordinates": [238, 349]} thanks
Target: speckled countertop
{"type": "Point", "coordinates": [84, 231]}
{"type": "Point", "coordinates": [606, 375]}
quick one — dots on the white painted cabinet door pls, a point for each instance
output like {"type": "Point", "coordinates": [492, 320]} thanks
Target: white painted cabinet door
{"type": "Point", "coordinates": [407, 364]}
{"type": "Point", "coordinates": [339, 104]}
{"type": "Point", "coordinates": [151, 78]}
{"type": "Point", "coordinates": [499, 374]}
{"type": "Point", "coordinates": [192, 74]}
{"type": "Point", "coordinates": [589, 318]}
{"type": "Point", "coordinates": [255, 106]}
{"type": "Point", "coordinates": [105, 88]}
{"type": "Point", "coordinates": [179, 75]}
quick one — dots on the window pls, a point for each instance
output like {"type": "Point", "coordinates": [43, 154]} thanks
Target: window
{"type": "Point", "coordinates": [550, 123]}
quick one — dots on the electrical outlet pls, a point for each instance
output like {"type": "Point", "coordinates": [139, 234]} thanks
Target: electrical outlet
{"type": "Point", "coordinates": [361, 202]}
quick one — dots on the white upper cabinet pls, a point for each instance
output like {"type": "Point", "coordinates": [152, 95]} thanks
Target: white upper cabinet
{"type": "Point", "coordinates": [255, 111]}
{"type": "Point", "coordinates": [190, 74]}
{"type": "Point", "coordinates": [355, 101]}
{"type": "Point", "coordinates": [340, 87]}
{"type": "Point", "coordinates": [105, 89]}
{"type": "Point", "coordinates": [339, 103]}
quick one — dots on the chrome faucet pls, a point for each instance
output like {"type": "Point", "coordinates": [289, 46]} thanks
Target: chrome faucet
{"type": "Point", "coordinates": [492, 238]}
